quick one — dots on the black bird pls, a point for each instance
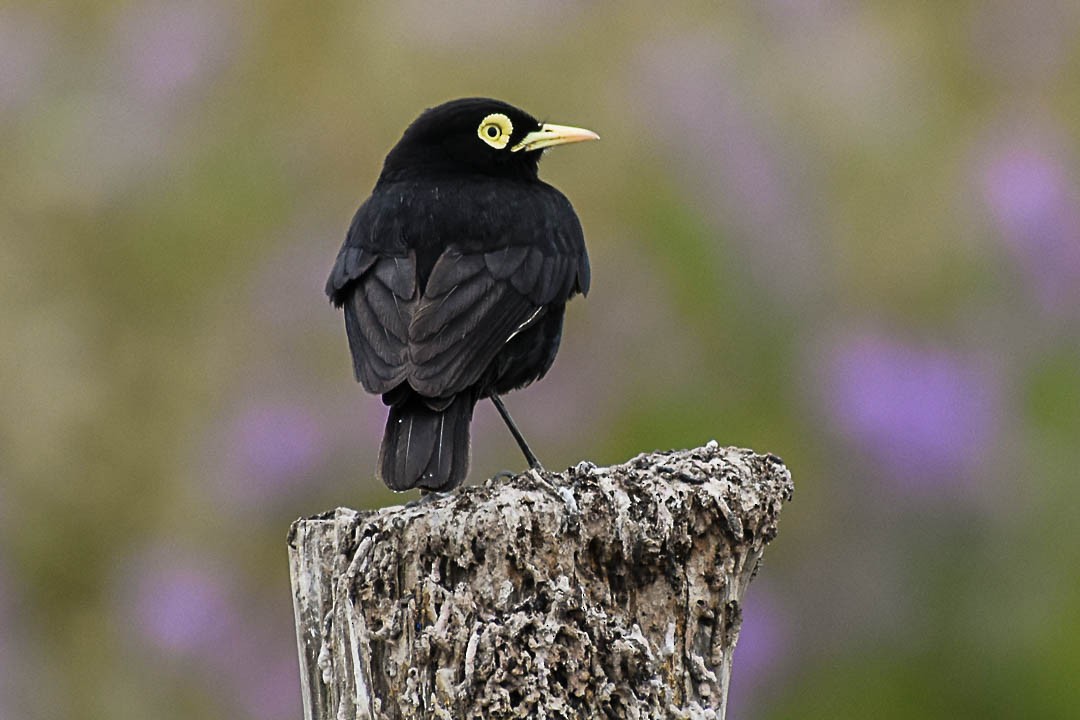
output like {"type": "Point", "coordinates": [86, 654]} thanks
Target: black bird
{"type": "Point", "coordinates": [454, 278]}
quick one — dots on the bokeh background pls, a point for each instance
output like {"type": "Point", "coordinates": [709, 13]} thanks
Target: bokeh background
{"type": "Point", "coordinates": [844, 232]}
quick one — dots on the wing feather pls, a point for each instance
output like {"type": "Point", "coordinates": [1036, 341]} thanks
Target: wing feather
{"type": "Point", "coordinates": [378, 309]}
{"type": "Point", "coordinates": [524, 280]}
{"type": "Point", "coordinates": [473, 304]}
{"type": "Point", "coordinates": [503, 263]}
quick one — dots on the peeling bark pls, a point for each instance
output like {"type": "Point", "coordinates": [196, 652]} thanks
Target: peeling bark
{"type": "Point", "coordinates": [593, 593]}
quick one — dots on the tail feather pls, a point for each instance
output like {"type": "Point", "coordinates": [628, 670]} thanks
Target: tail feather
{"type": "Point", "coordinates": [424, 447]}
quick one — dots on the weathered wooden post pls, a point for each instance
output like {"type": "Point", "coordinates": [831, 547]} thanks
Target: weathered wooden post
{"type": "Point", "coordinates": [594, 593]}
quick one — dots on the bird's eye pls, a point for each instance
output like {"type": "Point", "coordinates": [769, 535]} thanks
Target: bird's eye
{"type": "Point", "coordinates": [496, 130]}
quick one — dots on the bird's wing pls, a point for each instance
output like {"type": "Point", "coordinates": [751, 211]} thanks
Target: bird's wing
{"type": "Point", "coordinates": [374, 233]}
{"type": "Point", "coordinates": [378, 289]}
{"type": "Point", "coordinates": [473, 304]}
{"type": "Point", "coordinates": [377, 315]}
{"type": "Point", "coordinates": [442, 331]}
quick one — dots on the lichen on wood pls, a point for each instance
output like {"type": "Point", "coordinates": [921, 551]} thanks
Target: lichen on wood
{"type": "Point", "coordinates": [592, 593]}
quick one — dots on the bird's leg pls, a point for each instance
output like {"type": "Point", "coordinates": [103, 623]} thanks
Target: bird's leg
{"type": "Point", "coordinates": [530, 458]}
{"type": "Point", "coordinates": [535, 468]}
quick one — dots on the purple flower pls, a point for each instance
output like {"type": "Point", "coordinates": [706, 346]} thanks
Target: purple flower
{"type": "Point", "coordinates": [926, 414]}
{"type": "Point", "coordinates": [272, 447]}
{"type": "Point", "coordinates": [189, 609]}
{"type": "Point", "coordinates": [255, 666]}
{"type": "Point", "coordinates": [764, 642]}
{"type": "Point", "coordinates": [178, 604]}
{"type": "Point", "coordinates": [1036, 204]}
{"type": "Point", "coordinates": [762, 639]}
{"type": "Point", "coordinates": [270, 689]}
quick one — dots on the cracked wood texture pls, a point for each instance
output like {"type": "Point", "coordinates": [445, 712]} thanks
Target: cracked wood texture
{"type": "Point", "coordinates": [593, 593]}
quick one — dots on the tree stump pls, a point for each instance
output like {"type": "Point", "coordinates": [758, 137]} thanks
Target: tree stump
{"type": "Point", "coordinates": [592, 593]}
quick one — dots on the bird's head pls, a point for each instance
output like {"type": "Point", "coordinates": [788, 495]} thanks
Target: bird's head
{"type": "Point", "coordinates": [477, 135]}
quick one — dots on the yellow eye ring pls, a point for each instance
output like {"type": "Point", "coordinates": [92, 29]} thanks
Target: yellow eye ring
{"type": "Point", "coordinates": [496, 130]}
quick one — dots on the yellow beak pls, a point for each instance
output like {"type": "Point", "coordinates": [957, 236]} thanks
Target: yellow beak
{"type": "Point", "coordinates": [549, 135]}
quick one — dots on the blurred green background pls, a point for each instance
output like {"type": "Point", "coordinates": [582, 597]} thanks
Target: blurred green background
{"type": "Point", "coordinates": [847, 233]}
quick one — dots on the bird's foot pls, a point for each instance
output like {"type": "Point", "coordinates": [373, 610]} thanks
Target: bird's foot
{"type": "Point", "coordinates": [540, 475]}
{"type": "Point", "coordinates": [427, 497]}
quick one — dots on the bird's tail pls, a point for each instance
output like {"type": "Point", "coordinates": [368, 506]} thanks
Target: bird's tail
{"type": "Point", "coordinates": [426, 447]}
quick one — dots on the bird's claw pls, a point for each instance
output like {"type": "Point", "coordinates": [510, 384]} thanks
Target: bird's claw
{"type": "Point", "coordinates": [427, 497]}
